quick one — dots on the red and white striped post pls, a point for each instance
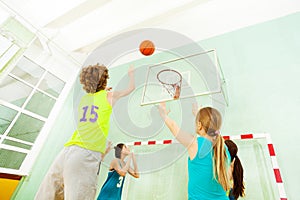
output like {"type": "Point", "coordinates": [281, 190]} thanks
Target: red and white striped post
{"type": "Point", "coordinates": [247, 136]}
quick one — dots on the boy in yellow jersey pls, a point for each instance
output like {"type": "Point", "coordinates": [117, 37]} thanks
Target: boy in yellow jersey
{"type": "Point", "coordinates": [73, 175]}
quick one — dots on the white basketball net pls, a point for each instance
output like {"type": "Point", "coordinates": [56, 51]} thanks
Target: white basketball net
{"type": "Point", "coordinates": [171, 81]}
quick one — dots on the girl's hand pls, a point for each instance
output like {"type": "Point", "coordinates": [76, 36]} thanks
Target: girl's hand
{"type": "Point", "coordinates": [130, 155]}
{"type": "Point", "coordinates": [195, 108]}
{"type": "Point", "coordinates": [162, 110]}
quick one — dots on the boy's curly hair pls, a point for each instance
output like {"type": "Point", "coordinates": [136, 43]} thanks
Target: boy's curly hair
{"type": "Point", "coordinates": [94, 78]}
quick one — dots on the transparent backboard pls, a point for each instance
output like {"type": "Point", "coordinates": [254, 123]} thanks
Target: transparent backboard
{"type": "Point", "coordinates": [201, 75]}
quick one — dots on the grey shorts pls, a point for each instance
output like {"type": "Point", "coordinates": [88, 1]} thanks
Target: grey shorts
{"type": "Point", "coordinates": [72, 176]}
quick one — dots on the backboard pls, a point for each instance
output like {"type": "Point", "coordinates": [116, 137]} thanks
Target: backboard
{"type": "Point", "coordinates": [201, 75]}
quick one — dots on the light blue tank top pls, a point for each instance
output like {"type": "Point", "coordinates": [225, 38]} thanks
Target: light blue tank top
{"type": "Point", "coordinates": [202, 185]}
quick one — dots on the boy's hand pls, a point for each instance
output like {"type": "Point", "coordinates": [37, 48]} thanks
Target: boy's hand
{"type": "Point", "coordinates": [131, 70]}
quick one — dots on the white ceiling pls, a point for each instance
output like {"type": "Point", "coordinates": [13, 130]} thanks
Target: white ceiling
{"type": "Point", "coordinates": [81, 25]}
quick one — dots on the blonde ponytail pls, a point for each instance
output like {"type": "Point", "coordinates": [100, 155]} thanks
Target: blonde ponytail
{"type": "Point", "coordinates": [211, 121]}
{"type": "Point", "coordinates": [220, 163]}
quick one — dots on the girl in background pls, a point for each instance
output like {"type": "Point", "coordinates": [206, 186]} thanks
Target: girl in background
{"type": "Point", "coordinates": [112, 188]}
{"type": "Point", "coordinates": [236, 172]}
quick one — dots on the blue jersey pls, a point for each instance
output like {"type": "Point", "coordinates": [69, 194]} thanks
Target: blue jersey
{"type": "Point", "coordinates": [202, 184]}
{"type": "Point", "coordinates": [112, 188]}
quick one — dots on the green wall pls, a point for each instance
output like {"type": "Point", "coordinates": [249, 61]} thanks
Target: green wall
{"type": "Point", "coordinates": [261, 64]}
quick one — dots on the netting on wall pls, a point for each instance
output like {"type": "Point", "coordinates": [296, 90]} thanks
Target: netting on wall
{"type": "Point", "coordinates": [162, 176]}
{"type": "Point", "coordinates": [256, 152]}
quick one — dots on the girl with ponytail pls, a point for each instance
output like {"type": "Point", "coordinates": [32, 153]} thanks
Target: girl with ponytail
{"type": "Point", "coordinates": [209, 159]}
{"type": "Point", "coordinates": [236, 172]}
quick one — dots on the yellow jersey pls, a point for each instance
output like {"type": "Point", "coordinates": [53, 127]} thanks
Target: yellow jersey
{"type": "Point", "coordinates": [93, 122]}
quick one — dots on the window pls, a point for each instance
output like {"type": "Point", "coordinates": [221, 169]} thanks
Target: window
{"type": "Point", "coordinates": [27, 95]}
{"type": "Point", "coordinates": [7, 50]}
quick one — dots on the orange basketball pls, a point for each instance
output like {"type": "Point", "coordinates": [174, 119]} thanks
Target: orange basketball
{"type": "Point", "coordinates": [147, 48]}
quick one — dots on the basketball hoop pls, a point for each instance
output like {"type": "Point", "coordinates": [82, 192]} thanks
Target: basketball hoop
{"type": "Point", "coordinates": [171, 81]}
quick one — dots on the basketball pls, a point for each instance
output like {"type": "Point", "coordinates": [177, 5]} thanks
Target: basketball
{"type": "Point", "coordinates": [147, 48]}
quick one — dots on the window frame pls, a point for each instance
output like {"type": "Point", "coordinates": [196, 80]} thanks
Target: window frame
{"type": "Point", "coordinates": [31, 154]}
